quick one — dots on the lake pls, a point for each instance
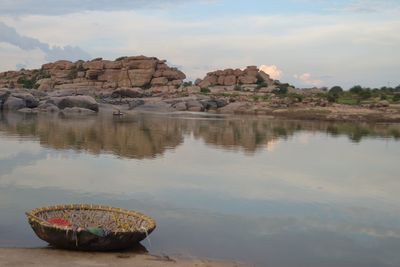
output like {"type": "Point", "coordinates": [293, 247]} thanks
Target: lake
{"type": "Point", "coordinates": [270, 192]}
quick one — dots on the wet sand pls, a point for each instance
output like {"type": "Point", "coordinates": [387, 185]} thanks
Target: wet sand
{"type": "Point", "coordinates": [45, 257]}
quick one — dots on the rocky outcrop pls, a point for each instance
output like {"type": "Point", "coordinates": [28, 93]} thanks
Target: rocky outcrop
{"type": "Point", "coordinates": [230, 77]}
{"type": "Point", "coordinates": [98, 74]}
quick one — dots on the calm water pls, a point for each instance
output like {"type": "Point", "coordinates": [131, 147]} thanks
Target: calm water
{"type": "Point", "coordinates": [269, 192]}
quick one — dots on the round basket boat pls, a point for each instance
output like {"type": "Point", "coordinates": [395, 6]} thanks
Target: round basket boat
{"type": "Point", "coordinates": [90, 227]}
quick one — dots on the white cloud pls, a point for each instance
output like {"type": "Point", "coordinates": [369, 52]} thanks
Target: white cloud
{"type": "Point", "coordinates": [272, 70]}
{"type": "Point", "coordinates": [306, 79]}
{"type": "Point", "coordinates": [11, 36]}
{"type": "Point", "coordinates": [12, 56]}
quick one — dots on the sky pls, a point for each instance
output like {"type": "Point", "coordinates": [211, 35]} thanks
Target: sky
{"type": "Point", "coordinates": [303, 42]}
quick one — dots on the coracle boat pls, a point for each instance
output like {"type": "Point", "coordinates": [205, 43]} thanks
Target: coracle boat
{"type": "Point", "coordinates": [90, 227]}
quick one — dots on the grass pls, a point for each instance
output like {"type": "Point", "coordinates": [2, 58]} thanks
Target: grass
{"type": "Point", "coordinates": [347, 101]}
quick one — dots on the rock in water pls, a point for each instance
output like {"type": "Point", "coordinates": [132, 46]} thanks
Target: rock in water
{"type": "Point", "coordinates": [79, 101]}
{"type": "Point", "coordinates": [13, 103]}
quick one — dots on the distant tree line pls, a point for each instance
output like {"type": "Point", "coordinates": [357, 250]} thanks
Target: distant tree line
{"type": "Point", "coordinates": [357, 93]}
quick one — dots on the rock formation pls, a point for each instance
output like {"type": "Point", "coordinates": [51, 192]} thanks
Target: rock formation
{"type": "Point", "coordinates": [230, 77]}
{"type": "Point", "coordinates": [98, 74]}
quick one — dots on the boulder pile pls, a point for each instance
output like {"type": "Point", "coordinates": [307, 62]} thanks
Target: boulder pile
{"type": "Point", "coordinates": [230, 77]}
{"type": "Point", "coordinates": [98, 74]}
{"type": "Point", "coordinates": [33, 101]}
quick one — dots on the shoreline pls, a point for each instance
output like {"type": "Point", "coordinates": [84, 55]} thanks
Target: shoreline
{"type": "Point", "coordinates": [46, 257]}
{"type": "Point", "coordinates": [67, 102]}
{"type": "Point", "coordinates": [336, 113]}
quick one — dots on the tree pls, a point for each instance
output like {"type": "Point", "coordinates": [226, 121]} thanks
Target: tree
{"type": "Point", "coordinates": [365, 93]}
{"type": "Point", "coordinates": [282, 89]}
{"type": "Point", "coordinates": [336, 90]}
{"type": "Point", "coordinates": [356, 89]}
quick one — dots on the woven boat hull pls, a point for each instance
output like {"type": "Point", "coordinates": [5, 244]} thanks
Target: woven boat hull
{"type": "Point", "coordinates": [68, 238]}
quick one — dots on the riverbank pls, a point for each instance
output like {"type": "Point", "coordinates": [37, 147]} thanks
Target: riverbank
{"type": "Point", "coordinates": [43, 257]}
{"type": "Point", "coordinates": [131, 100]}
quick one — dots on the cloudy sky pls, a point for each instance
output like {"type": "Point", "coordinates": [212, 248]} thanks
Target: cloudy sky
{"type": "Point", "coordinates": [304, 42]}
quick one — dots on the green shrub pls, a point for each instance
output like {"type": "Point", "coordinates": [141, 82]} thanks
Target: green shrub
{"type": "Point", "coordinates": [25, 82]}
{"type": "Point", "coordinates": [205, 90]}
{"type": "Point", "coordinates": [282, 89]}
{"type": "Point", "coordinates": [332, 97]}
{"type": "Point", "coordinates": [73, 73]}
{"type": "Point", "coordinates": [237, 87]}
{"type": "Point", "coordinates": [396, 98]}
{"type": "Point", "coordinates": [296, 96]}
{"type": "Point", "coordinates": [365, 94]}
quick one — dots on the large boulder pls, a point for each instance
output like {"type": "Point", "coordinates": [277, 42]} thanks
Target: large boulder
{"type": "Point", "coordinates": [45, 84]}
{"type": "Point", "coordinates": [140, 77]}
{"type": "Point", "coordinates": [80, 101]}
{"type": "Point", "coordinates": [173, 74]}
{"type": "Point", "coordinates": [109, 75]}
{"type": "Point", "coordinates": [112, 64]}
{"type": "Point", "coordinates": [140, 64]}
{"type": "Point", "coordinates": [13, 103]}
{"type": "Point", "coordinates": [247, 79]}
{"type": "Point", "coordinates": [58, 65]}
{"type": "Point", "coordinates": [194, 105]}
{"type": "Point", "coordinates": [181, 106]}
{"type": "Point", "coordinates": [214, 103]}
{"type": "Point", "coordinates": [48, 107]}
{"type": "Point", "coordinates": [93, 65]}
{"type": "Point", "coordinates": [159, 81]}
{"type": "Point", "coordinates": [29, 99]}
{"type": "Point", "coordinates": [230, 79]}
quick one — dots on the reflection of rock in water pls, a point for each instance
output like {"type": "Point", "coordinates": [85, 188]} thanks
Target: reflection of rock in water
{"type": "Point", "coordinates": [142, 138]}
{"type": "Point", "coordinates": [146, 136]}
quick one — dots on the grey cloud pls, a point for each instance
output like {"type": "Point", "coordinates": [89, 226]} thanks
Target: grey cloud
{"type": "Point", "coordinates": [11, 36]}
{"type": "Point", "coordinates": [52, 7]}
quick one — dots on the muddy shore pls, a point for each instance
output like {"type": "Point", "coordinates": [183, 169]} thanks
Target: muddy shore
{"type": "Point", "coordinates": [45, 257]}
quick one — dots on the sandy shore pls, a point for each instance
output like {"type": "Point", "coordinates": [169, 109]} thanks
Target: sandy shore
{"type": "Point", "coordinates": [44, 257]}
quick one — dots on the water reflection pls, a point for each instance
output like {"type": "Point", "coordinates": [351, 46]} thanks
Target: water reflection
{"type": "Point", "coordinates": [275, 193]}
{"type": "Point", "coordinates": [148, 136]}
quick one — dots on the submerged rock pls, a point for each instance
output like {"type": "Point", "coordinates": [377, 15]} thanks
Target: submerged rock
{"type": "Point", "coordinates": [135, 103]}
{"type": "Point", "coordinates": [76, 110]}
